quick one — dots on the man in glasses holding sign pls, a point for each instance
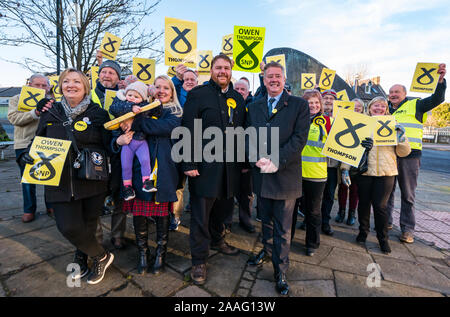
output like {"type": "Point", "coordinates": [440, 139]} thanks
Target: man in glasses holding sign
{"type": "Point", "coordinates": [411, 114]}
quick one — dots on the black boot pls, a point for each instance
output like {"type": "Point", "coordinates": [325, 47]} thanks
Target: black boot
{"type": "Point", "coordinates": [141, 231]}
{"type": "Point", "coordinates": [351, 217]}
{"type": "Point", "coordinates": [340, 216]}
{"type": "Point", "coordinates": [162, 238]}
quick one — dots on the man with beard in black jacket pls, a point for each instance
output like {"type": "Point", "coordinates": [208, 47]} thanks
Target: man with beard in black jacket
{"type": "Point", "coordinates": [212, 183]}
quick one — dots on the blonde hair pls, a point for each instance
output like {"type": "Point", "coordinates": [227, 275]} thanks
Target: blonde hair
{"type": "Point", "coordinates": [174, 105]}
{"type": "Point", "coordinates": [83, 77]}
{"type": "Point", "coordinates": [360, 102]}
{"type": "Point", "coordinates": [375, 100]}
{"type": "Point", "coordinates": [311, 93]}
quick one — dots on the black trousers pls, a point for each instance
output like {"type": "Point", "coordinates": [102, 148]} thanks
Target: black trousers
{"type": "Point", "coordinates": [207, 225]}
{"type": "Point", "coordinates": [245, 200]}
{"type": "Point", "coordinates": [276, 218]}
{"type": "Point", "coordinates": [374, 191]}
{"type": "Point", "coordinates": [328, 196]}
{"type": "Point", "coordinates": [77, 222]}
{"type": "Point", "coordinates": [313, 192]}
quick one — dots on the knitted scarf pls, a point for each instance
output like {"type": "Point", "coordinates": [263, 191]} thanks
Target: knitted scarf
{"type": "Point", "coordinates": [72, 113]}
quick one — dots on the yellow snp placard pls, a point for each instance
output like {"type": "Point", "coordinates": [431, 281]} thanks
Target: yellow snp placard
{"type": "Point", "coordinates": [29, 97]}
{"type": "Point", "coordinates": [248, 47]}
{"type": "Point", "coordinates": [425, 78]}
{"type": "Point", "coordinates": [227, 45]}
{"type": "Point", "coordinates": [308, 80]}
{"type": "Point", "coordinates": [110, 45]}
{"type": "Point", "coordinates": [327, 78]}
{"type": "Point", "coordinates": [144, 69]}
{"type": "Point", "coordinates": [109, 97]}
{"type": "Point", "coordinates": [339, 104]}
{"type": "Point", "coordinates": [385, 133]}
{"type": "Point", "coordinates": [49, 156]}
{"type": "Point", "coordinates": [180, 42]}
{"type": "Point", "coordinates": [344, 140]}
{"type": "Point", "coordinates": [171, 71]}
{"type": "Point", "coordinates": [204, 59]}
{"type": "Point", "coordinates": [342, 95]}
{"type": "Point", "coordinates": [280, 59]}
{"type": "Point", "coordinates": [54, 81]}
{"type": "Point", "coordinates": [94, 76]}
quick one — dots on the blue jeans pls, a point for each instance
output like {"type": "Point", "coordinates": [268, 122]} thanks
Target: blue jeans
{"type": "Point", "coordinates": [28, 191]}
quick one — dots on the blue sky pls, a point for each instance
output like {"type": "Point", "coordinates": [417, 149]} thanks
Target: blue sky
{"type": "Point", "coordinates": [389, 37]}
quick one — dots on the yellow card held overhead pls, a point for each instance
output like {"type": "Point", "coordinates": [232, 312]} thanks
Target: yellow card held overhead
{"type": "Point", "coordinates": [144, 69]}
{"type": "Point", "coordinates": [49, 156]}
{"type": "Point", "coordinates": [171, 71]}
{"type": "Point", "coordinates": [54, 81]}
{"type": "Point", "coordinates": [204, 59]}
{"type": "Point", "coordinates": [339, 104]}
{"type": "Point", "coordinates": [29, 97]}
{"type": "Point", "coordinates": [109, 96]}
{"type": "Point", "coordinates": [110, 45]}
{"type": "Point", "coordinates": [280, 59]}
{"type": "Point", "coordinates": [425, 78]}
{"type": "Point", "coordinates": [327, 78]}
{"type": "Point", "coordinates": [94, 76]}
{"type": "Point", "coordinates": [308, 80]}
{"type": "Point", "coordinates": [248, 46]}
{"type": "Point", "coordinates": [344, 140]}
{"type": "Point", "coordinates": [180, 42]}
{"type": "Point", "coordinates": [385, 133]}
{"type": "Point", "coordinates": [227, 45]}
{"type": "Point", "coordinates": [342, 95]}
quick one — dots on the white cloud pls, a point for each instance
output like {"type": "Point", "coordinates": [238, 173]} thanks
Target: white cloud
{"type": "Point", "coordinates": [390, 37]}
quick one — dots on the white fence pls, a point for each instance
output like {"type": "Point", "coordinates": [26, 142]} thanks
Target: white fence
{"type": "Point", "coordinates": [436, 135]}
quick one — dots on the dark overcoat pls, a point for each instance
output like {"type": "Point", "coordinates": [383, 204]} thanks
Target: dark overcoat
{"type": "Point", "coordinates": [209, 104]}
{"type": "Point", "coordinates": [291, 117]}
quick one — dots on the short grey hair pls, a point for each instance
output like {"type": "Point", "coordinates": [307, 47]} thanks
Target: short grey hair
{"type": "Point", "coordinates": [273, 64]}
{"type": "Point", "coordinates": [38, 75]}
{"type": "Point", "coordinates": [242, 81]}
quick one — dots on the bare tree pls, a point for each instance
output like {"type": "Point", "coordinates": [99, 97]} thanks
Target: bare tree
{"type": "Point", "coordinates": [82, 25]}
{"type": "Point", "coordinates": [355, 71]}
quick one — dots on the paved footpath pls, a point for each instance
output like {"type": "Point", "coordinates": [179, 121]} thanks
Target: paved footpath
{"type": "Point", "coordinates": [34, 256]}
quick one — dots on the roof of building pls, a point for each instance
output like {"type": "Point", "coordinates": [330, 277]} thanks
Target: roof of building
{"type": "Point", "coordinates": [9, 91]}
{"type": "Point", "coordinates": [368, 89]}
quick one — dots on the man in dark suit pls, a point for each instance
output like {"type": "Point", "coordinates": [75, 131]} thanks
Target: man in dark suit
{"type": "Point", "coordinates": [277, 186]}
{"type": "Point", "coordinates": [214, 181]}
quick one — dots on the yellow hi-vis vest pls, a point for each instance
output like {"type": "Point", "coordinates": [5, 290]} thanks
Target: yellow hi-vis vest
{"type": "Point", "coordinates": [314, 164]}
{"type": "Point", "coordinates": [95, 98]}
{"type": "Point", "coordinates": [406, 116]}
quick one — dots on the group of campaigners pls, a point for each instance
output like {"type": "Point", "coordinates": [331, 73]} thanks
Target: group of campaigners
{"type": "Point", "coordinates": [146, 182]}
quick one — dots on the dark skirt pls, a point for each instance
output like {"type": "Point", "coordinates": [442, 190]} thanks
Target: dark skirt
{"type": "Point", "coordinates": [147, 208]}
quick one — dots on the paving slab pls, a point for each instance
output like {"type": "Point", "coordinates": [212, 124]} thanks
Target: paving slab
{"type": "Point", "coordinates": [444, 270]}
{"type": "Point", "coordinates": [224, 273]}
{"type": "Point", "coordinates": [419, 248]}
{"type": "Point", "coordinates": [297, 272]}
{"type": "Point", "coordinates": [399, 251]}
{"type": "Point", "coordinates": [351, 285]}
{"type": "Point", "coordinates": [32, 248]}
{"type": "Point", "coordinates": [413, 274]}
{"type": "Point", "coordinates": [162, 285]}
{"type": "Point", "coordinates": [347, 261]}
{"type": "Point", "coordinates": [125, 290]}
{"type": "Point", "coordinates": [192, 291]}
{"type": "Point", "coordinates": [432, 262]}
{"type": "Point", "coordinates": [319, 288]}
{"type": "Point", "coordinates": [264, 288]}
{"type": "Point", "coordinates": [298, 250]}
{"type": "Point", "coordinates": [16, 226]}
{"type": "Point", "coordinates": [50, 279]}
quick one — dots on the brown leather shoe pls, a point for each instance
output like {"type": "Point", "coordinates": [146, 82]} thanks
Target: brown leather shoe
{"type": "Point", "coordinates": [225, 248]}
{"type": "Point", "coordinates": [407, 237]}
{"type": "Point", "coordinates": [198, 274]}
{"type": "Point", "coordinates": [27, 218]}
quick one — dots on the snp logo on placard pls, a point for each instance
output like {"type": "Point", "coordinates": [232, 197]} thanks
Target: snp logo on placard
{"type": "Point", "coordinates": [180, 42]}
{"type": "Point", "coordinates": [248, 48]}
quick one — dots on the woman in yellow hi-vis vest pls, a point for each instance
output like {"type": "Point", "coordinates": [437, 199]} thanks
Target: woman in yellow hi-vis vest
{"type": "Point", "coordinates": [314, 172]}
